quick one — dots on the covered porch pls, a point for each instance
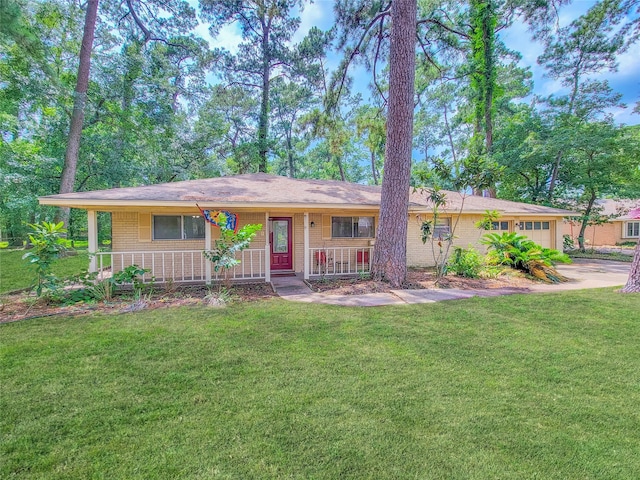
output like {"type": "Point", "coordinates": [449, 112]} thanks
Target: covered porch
{"type": "Point", "coordinates": [276, 252]}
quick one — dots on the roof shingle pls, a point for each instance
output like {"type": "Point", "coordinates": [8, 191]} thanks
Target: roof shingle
{"type": "Point", "coordinates": [260, 190]}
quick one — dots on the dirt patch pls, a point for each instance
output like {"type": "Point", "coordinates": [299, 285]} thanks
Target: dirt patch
{"type": "Point", "coordinates": [420, 279]}
{"type": "Point", "coordinates": [21, 306]}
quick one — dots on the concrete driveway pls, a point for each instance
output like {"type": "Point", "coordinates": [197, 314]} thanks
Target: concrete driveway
{"type": "Point", "coordinates": [585, 273]}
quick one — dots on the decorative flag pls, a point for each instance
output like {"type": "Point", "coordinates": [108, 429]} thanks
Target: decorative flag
{"type": "Point", "coordinates": [221, 218]}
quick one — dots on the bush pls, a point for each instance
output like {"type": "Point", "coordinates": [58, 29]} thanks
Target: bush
{"type": "Point", "coordinates": [465, 262]}
{"type": "Point", "coordinates": [48, 246]}
{"type": "Point", "coordinates": [567, 242]}
{"type": "Point", "coordinates": [518, 252]}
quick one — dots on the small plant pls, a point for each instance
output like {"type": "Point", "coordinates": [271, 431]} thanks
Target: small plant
{"type": "Point", "coordinates": [79, 295]}
{"type": "Point", "coordinates": [465, 262]}
{"type": "Point", "coordinates": [225, 248]}
{"type": "Point", "coordinates": [362, 275]}
{"type": "Point", "coordinates": [567, 242]}
{"type": "Point", "coordinates": [439, 236]}
{"type": "Point", "coordinates": [133, 275]}
{"type": "Point", "coordinates": [219, 298]}
{"type": "Point", "coordinates": [48, 245]}
{"type": "Point", "coordinates": [103, 290]}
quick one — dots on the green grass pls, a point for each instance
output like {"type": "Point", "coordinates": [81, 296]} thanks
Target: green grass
{"type": "Point", "coordinates": [595, 255]}
{"type": "Point", "coordinates": [520, 387]}
{"type": "Point", "coordinates": [16, 273]}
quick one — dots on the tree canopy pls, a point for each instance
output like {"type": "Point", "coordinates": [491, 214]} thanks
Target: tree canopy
{"type": "Point", "coordinates": [159, 104]}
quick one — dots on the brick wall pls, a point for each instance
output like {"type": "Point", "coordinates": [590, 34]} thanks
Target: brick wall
{"type": "Point", "coordinates": [465, 234]}
{"type": "Point", "coordinates": [131, 233]}
{"type": "Point", "coordinates": [596, 235]}
{"type": "Point", "coordinates": [423, 255]}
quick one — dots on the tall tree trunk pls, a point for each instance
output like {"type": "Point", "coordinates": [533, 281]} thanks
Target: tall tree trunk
{"type": "Point", "coordinates": [390, 254]}
{"type": "Point", "coordinates": [488, 36]}
{"type": "Point", "coordinates": [633, 284]}
{"type": "Point", "coordinates": [484, 78]}
{"type": "Point", "coordinates": [555, 172]}
{"type": "Point", "coordinates": [585, 220]}
{"type": "Point", "coordinates": [554, 176]}
{"type": "Point", "coordinates": [263, 121]}
{"type": "Point", "coordinates": [79, 101]}
{"type": "Point", "coordinates": [292, 169]}
{"type": "Point", "coordinates": [340, 168]}
{"type": "Point", "coordinates": [374, 172]}
{"type": "Point", "coordinates": [451, 144]}
{"type": "Point", "coordinates": [490, 82]}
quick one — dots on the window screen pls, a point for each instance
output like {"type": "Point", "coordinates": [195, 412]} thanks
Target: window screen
{"type": "Point", "coordinates": [352, 227]}
{"type": "Point", "coordinates": [167, 227]}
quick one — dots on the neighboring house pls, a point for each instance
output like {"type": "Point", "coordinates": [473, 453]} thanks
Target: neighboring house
{"type": "Point", "coordinates": [619, 229]}
{"type": "Point", "coordinates": [314, 227]}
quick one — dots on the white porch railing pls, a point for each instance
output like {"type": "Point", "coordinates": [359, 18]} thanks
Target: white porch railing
{"type": "Point", "coordinates": [182, 266]}
{"type": "Point", "coordinates": [331, 261]}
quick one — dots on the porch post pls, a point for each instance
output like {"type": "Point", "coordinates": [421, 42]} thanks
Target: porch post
{"type": "Point", "coordinates": [207, 246]}
{"type": "Point", "coordinates": [306, 245]}
{"type": "Point", "coordinates": [267, 249]}
{"type": "Point", "coordinates": [92, 233]}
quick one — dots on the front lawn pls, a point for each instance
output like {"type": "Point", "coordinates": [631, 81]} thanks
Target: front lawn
{"type": "Point", "coordinates": [16, 274]}
{"type": "Point", "coordinates": [527, 386]}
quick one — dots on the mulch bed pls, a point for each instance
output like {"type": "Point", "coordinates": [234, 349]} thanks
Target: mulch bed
{"type": "Point", "coordinates": [419, 279]}
{"type": "Point", "coordinates": [23, 305]}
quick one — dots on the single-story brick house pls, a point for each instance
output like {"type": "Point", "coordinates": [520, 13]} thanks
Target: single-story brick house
{"type": "Point", "coordinates": [619, 229]}
{"type": "Point", "coordinates": [313, 227]}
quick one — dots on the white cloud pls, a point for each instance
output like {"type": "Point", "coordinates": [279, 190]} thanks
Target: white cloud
{"type": "Point", "coordinates": [228, 38]}
{"type": "Point", "coordinates": [203, 31]}
{"type": "Point", "coordinates": [629, 63]}
{"type": "Point", "coordinates": [318, 14]}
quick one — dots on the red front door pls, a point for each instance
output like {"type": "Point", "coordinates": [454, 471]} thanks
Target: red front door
{"type": "Point", "coordinates": [280, 240]}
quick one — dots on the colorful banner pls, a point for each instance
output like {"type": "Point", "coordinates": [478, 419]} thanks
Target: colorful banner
{"type": "Point", "coordinates": [221, 218]}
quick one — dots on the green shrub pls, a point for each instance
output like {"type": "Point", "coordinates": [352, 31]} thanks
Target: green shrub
{"type": "Point", "coordinates": [222, 255]}
{"type": "Point", "coordinates": [567, 242]}
{"type": "Point", "coordinates": [130, 275]}
{"type": "Point", "coordinates": [48, 245]}
{"type": "Point", "coordinates": [627, 244]}
{"type": "Point", "coordinates": [521, 253]}
{"type": "Point", "coordinates": [465, 262]}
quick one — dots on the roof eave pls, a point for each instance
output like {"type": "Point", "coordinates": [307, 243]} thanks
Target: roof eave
{"type": "Point", "coordinates": [467, 211]}
{"type": "Point", "coordinates": [88, 203]}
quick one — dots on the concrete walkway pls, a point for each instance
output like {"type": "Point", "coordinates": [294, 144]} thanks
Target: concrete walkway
{"type": "Point", "coordinates": [583, 274]}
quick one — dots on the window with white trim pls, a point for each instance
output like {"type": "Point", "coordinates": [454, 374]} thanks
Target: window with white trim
{"type": "Point", "coordinates": [502, 225]}
{"type": "Point", "coordinates": [352, 227]}
{"type": "Point", "coordinates": [536, 225]}
{"type": "Point", "coordinates": [442, 228]}
{"type": "Point", "coordinates": [178, 227]}
{"type": "Point", "coordinates": [632, 229]}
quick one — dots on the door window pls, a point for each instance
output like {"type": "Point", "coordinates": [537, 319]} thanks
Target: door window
{"type": "Point", "coordinates": [280, 233]}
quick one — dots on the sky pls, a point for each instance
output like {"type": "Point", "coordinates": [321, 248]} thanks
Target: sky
{"type": "Point", "coordinates": [626, 80]}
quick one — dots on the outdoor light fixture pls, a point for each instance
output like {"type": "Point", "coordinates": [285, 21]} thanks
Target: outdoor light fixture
{"type": "Point", "coordinates": [313, 224]}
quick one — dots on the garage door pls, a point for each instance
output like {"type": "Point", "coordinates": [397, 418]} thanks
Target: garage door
{"type": "Point", "coordinates": [539, 232]}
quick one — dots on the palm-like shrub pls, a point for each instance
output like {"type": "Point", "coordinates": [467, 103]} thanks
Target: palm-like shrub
{"type": "Point", "coordinates": [521, 253]}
